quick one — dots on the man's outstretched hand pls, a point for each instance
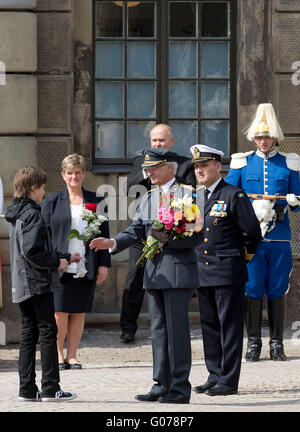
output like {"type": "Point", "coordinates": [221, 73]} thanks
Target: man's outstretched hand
{"type": "Point", "coordinates": [101, 243]}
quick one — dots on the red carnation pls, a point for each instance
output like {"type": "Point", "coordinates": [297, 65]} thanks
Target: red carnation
{"type": "Point", "coordinates": [180, 229]}
{"type": "Point", "coordinates": [91, 206]}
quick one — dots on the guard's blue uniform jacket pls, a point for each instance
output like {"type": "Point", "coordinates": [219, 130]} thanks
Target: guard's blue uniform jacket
{"type": "Point", "coordinates": [275, 173]}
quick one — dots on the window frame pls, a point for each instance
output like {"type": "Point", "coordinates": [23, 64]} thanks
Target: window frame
{"type": "Point", "coordinates": [162, 79]}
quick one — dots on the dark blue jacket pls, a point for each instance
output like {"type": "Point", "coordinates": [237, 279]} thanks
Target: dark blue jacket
{"type": "Point", "coordinates": [230, 225]}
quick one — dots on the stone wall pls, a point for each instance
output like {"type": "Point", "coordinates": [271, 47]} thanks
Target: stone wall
{"type": "Point", "coordinates": [18, 123]}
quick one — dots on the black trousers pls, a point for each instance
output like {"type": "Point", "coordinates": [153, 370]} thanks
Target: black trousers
{"type": "Point", "coordinates": [171, 342]}
{"type": "Point", "coordinates": [133, 293]}
{"type": "Point", "coordinates": [222, 321]}
{"type": "Point", "coordinates": [38, 320]}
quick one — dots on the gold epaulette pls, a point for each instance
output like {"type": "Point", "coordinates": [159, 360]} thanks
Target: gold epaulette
{"type": "Point", "coordinates": [151, 190]}
{"type": "Point", "coordinates": [185, 186]}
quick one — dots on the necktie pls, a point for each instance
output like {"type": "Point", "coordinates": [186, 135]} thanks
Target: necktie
{"type": "Point", "coordinates": [206, 193]}
{"type": "Point", "coordinates": [164, 199]}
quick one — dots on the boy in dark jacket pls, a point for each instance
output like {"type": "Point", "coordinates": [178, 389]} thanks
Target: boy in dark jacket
{"type": "Point", "coordinates": [33, 265]}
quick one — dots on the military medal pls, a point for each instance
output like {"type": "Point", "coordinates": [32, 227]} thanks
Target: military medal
{"type": "Point", "coordinates": [219, 209]}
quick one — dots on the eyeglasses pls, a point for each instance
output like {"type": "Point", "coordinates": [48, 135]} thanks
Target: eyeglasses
{"type": "Point", "coordinates": [153, 169]}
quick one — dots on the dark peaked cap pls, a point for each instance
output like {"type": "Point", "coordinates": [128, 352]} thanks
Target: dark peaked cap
{"type": "Point", "coordinates": [156, 156]}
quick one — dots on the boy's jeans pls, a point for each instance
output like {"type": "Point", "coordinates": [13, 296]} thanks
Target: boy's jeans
{"type": "Point", "coordinates": [38, 320]}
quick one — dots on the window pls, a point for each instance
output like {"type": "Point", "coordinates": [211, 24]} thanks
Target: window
{"type": "Point", "coordinates": [162, 62]}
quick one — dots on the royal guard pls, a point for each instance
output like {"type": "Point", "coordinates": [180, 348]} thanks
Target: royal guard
{"type": "Point", "coordinates": [263, 174]}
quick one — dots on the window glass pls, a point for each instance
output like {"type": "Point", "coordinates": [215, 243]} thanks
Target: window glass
{"type": "Point", "coordinates": [109, 60]}
{"type": "Point", "coordinates": [214, 19]}
{"type": "Point", "coordinates": [109, 19]}
{"type": "Point", "coordinates": [183, 60]}
{"type": "Point", "coordinates": [214, 60]}
{"type": "Point", "coordinates": [215, 133]}
{"type": "Point", "coordinates": [141, 21]}
{"type": "Point", "coordinates": [214, 99]}
{"type": "Point", "coordinates": [109, 99]}
{"type": "Point", "coordinates": [183, 99]}
{"type": "Point", "coordinates": [162, 61]}
{"type": "Point", "coordinates": [141, 100]}
{"type": "Point", "coordinates": [109, 139]}
{"type": "Point", "coordinates": [183, 19]}
{"type": "Point", "coordinates": [138, 133]}
{"type": "Point", "coordinates": [141, 60]}
{"type": "Point", "coordinates": [185, 134]}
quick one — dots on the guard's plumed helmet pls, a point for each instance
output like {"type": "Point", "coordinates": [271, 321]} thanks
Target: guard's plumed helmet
{"type": "Point", "coordinates": [265, 123]}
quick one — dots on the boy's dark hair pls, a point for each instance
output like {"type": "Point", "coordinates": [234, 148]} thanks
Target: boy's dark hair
{"type": "Point", "coordinates": [27, 179]}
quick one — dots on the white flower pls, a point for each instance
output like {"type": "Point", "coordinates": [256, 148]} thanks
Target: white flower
{"type": "Point", "coordinates": [182, 203]}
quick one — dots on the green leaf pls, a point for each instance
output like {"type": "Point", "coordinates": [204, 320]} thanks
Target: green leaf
{"type": "Point", "coordinates": [158, 225]}
{"type": "Point", "coordinates": [73, 234]}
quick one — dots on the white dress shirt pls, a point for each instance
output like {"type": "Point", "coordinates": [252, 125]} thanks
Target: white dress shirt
{"type": "Point", "coordinates": [212, 187]}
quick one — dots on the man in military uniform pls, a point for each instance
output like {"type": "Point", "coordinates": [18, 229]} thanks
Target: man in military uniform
{"type": "Point", "coordinates": [268, 172]}
{"type": "Point", "coordinates": [168, 279]}
{"type": "Point", "coordinates": [133, 293]}
{"type": "Point", "coordinates": [230, 228]}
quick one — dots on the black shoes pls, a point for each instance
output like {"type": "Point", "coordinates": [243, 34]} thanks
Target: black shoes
{"type": "Point", "coordinates": [73, 365]}
{"type": "Point", "coordinates": [149, 397]}
{"type": "Point", "coordinates": [221, 390]}
{"type": "Point", "coordinates": [62, 366]}
{"type": "Point", "coordinates": [171, 397]}
{"type": "Point", "coordinates": [36, 398]}
{"type": "Point", "coordinates": [253, 349]}
{"type": "Point", "coordinates": [276, 350]}
{"type": "Point", "coordinates": [204, 387]}
{"type": "Point", "coordinates": [174, 398]}
{"type": "Point", "coordinates": [67, 365]}
{"type": "Point", "coordinates": [127, 336]}
{"type": "Point", "coordinates": [60, 396]}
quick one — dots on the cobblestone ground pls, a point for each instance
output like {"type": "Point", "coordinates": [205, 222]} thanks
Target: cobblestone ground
{"type": "Point", "coordinates": [114, 372]}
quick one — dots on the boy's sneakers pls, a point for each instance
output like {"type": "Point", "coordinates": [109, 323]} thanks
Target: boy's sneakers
{"type": "Point", "coordinates": [37, 398]}
{"type": "Point", "coordinates": [60, 395]}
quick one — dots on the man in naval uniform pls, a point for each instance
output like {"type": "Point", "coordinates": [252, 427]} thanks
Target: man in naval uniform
{"type": "Point", "coordinates": [161, 136]}
{"type": "Point", "coordinates": [230, 230]}
{"type": "Point", "coordinates": [269, 172]}
{"type": "Point", "coordinates": [168, 279]}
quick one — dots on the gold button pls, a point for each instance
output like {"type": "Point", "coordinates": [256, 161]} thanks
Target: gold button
{"type": "Point", "coordinates": [207, 229]}
{"type": "Point", "coordinates": [205, 252]}
{"type": "Point", "coordinates": [206, 263]}
{"type": "Point", "coordinates": [205, 240]}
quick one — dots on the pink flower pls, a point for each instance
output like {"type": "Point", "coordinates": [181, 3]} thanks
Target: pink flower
{"type": "Point", "coordinates": [166, 216]}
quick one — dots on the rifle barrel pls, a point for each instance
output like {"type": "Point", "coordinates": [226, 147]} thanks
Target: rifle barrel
{"type": "Point", "coordinates": [269, 197]}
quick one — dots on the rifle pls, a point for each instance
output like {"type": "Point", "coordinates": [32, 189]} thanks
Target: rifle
{"type": "Point", "coordinates": [269, 197]}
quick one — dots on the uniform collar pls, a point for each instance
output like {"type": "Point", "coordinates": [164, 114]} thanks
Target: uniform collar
{"type": "Point", "coordinates": [165, 188]}
{"type": "Point", "coordinates": [264, 156]}
{"type": "Point", "coordinates": [212, 187]}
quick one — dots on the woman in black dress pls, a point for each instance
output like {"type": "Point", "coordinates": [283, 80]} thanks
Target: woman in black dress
{"type": "Point", "coordinates": [73, 296]}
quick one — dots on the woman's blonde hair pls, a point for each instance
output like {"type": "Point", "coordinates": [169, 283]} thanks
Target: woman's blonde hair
{"type": "Point", "coordinates": [73, 160]}
{"type": "Point", "coordinates": [27, 179]}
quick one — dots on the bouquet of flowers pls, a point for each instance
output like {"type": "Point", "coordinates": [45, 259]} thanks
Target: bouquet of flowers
{"type": "Point", "coordinates": [178, 219]}
{"type": "Point", "coordinates": [92, 228]}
